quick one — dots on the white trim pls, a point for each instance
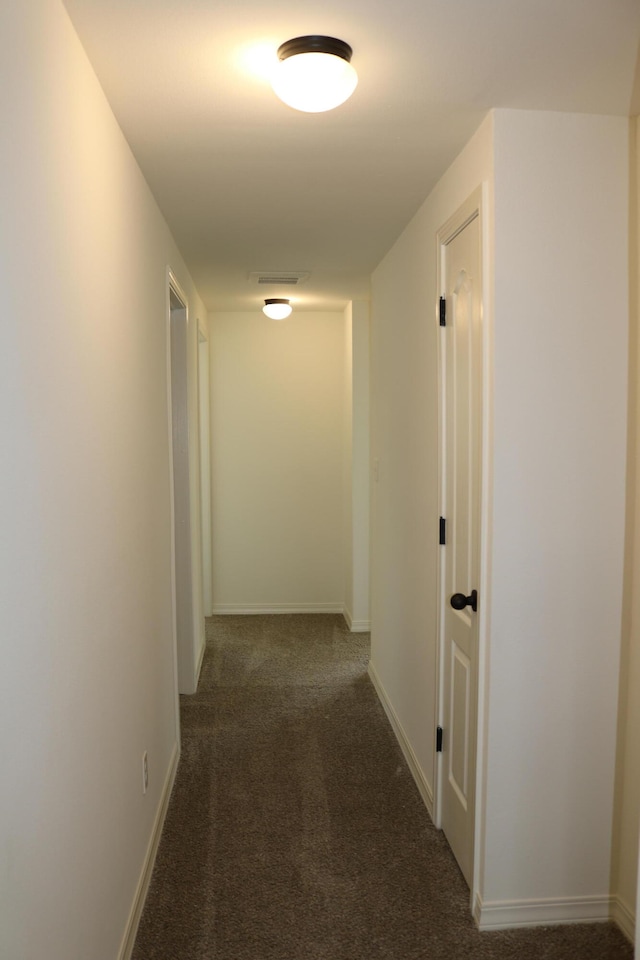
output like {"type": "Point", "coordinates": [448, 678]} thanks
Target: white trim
{"type": "Point", "coordinates": [203, 367]}
{"type": "Point", "coordinates": [412, 761]}
{"type": "Point", "coordinates": [172, 508]}
{"type": "Point", "coordinates": [505, 914]}
{"type": "Point", "coordinates": [242, 609]}
{"type": "Point", "coordinates": [199, 663]}
{"type": "Point", "coordinates": [177, 287]}
{"type": "Point", "coordinates": [184, 490]}
{"type": "Point", "coordinates": [129, 937]}
{"type": "Point", "coordinates": [624, 917]}
{"type": "Point", "coordinates": [486, 531]}
{"type": "Point", "coordinates": [356, 626]}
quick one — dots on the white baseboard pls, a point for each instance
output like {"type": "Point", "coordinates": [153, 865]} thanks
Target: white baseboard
{"type": "Point", "coordinates": [412, 761]}
{"type": "Point", "coordinates": [624, 917]}
{"type": "Point", "coordinates": [128, 940]}
{"type": "Point", "coordinates": [356, 626]}
{"type": "Point", "coordinates": [247, 609]}
{"type": "Point", "coordinates": [504, 914]}
{"type": "Point", "coordinates": [199, 663]}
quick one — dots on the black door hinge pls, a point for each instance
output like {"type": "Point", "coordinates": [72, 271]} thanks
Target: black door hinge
{"type": "Point", "coordinates": [438, 739]}
{"type": "Point", "coordinates": [443, 312]}
{"type": "Point", "coordinates": [443, 531]}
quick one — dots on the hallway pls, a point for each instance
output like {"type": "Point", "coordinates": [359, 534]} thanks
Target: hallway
{"type": "Point", "coordinates": [145, 156]}
{"type": "Point", "coordinates": [295, 829]}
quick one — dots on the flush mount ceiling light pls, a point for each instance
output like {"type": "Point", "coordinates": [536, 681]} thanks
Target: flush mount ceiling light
{"type": "Point", "coordinates": [314, 74]}
{"type": "Point", "coordinates": [277, 309]}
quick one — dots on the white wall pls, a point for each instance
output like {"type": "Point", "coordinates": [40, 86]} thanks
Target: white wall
{"type": "Point", "coordinates": [405, 505]}
{"type": "Point", "coordinates": [560, 361]}
{"type": "Point", "coordinates": [627, 809]}
{"type": "Point", "coordinates": [549, 669]}
{"type": "Point", "coordinates": [277, 394]}
{"type": "Point", "coordinates": [630, 741]}
{"type": "Point", "coordinates": [87, 622]}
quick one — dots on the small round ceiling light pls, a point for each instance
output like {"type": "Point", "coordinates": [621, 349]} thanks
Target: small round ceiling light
{"type": "Point", "coordinates": [277, 309]}
{"type": "Point", "coordinates": [314, 73]}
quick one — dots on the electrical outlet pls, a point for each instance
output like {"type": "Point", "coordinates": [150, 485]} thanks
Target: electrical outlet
{"type": "Point", "coordinates": [145, 772]}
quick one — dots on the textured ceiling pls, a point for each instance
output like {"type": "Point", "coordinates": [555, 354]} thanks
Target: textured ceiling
{"type": "Point", "coordinates": [248, 184]}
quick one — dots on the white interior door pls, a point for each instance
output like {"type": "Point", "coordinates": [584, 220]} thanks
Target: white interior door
{"type": "Point", "coordinates": [461, 284]}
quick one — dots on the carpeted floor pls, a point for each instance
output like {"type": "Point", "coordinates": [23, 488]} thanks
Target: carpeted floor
{"type": "Point", "coordinates": [295, 831]}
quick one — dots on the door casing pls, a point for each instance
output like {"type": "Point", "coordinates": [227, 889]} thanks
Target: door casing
{"type": "Point", "coordinates": [182, 534]}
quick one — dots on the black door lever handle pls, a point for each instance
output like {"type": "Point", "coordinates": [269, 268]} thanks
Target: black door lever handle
{"type": "Point", "coordinates": [459, 601]}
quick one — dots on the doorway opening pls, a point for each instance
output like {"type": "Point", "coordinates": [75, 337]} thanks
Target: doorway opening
{"type": "Point", "coordinates": [189, 631]}
{"type": "Point", "coordinates": [205, 472]}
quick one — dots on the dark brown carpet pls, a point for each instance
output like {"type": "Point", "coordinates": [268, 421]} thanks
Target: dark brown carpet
{"type": "Point", "coordinates": [295, 831]}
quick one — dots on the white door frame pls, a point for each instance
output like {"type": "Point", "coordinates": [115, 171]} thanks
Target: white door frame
{"type": "Point", "coordinates": [204, 421]}
{"type": "Point", "coordinates": [185, 610]}
{"type": "Point", "coordinates": [476, 205]}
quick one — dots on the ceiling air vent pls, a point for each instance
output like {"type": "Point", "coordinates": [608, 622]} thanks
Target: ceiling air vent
{"type": "Point", "coordinates": [274, 278]}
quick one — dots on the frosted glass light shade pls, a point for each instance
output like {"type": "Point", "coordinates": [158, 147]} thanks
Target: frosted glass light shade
{"type": "Point", "coordinates": [314, 74]}
{"type": "Point", "coordinates": [277, 309]}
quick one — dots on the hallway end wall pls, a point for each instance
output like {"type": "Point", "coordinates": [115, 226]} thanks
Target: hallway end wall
{"type": "Point", "coordinates": [277, 422]}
